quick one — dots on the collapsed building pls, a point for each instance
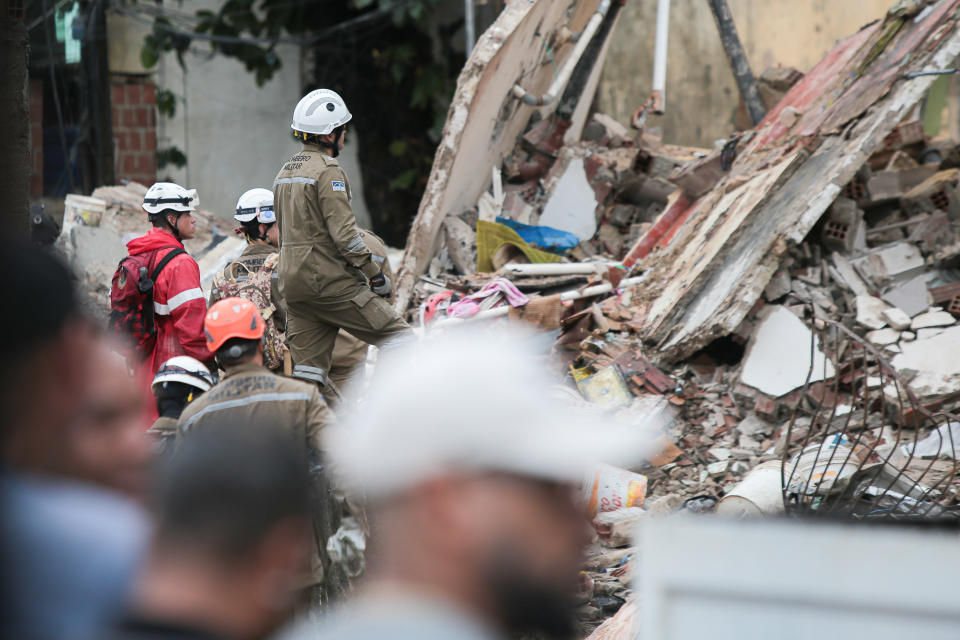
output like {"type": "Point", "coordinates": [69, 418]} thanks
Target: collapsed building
{"type": "Point", "coordinates": [782, 308]}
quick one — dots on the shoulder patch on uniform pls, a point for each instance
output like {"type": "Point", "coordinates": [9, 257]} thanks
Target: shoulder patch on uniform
{"type": "Point", "coordinates": [339, 185]}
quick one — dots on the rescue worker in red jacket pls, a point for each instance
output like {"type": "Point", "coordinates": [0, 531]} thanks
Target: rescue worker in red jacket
{"type": "Point", "coordinates": [178, 301]}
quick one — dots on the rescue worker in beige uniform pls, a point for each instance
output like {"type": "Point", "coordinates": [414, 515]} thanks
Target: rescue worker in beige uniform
{"type": "Point", "coordinates": [349, 353]}
{"type": "Point", "coordinates": [328, 277]}
{"type": "Point", "coordinates": [249, 393]}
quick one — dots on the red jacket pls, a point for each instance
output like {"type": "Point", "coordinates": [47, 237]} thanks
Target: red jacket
{"type": "Point", "coordinates": [178, 303]}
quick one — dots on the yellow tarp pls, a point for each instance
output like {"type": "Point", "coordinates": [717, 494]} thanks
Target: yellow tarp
{"type": "Point", "coordinates": [491, 236]}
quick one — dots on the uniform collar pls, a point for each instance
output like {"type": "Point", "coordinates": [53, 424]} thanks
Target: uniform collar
{"type": "Point", "coordinates": [259, 249]}
{"type": "Point", "coordinates": [316, 148]}
{"type": "Point", "coordinates": [240, 369]}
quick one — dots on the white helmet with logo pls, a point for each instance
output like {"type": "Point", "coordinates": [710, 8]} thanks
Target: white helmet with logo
{"type": "Point", "coordinates": [163, 196]}
{"type": "Point", "coordinates": [320, 112]}
{"type": "Point", "coordinates": [185, 369]}
{"type": "Point", "coordinates": [256, 203]}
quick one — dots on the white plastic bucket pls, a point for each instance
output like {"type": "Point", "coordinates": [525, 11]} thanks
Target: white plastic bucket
{"type": "Point", "coordinates": [821, 468]}
{"type": "Point", "coordinates": [610, 488]}
{"type": "Point", "coordinates": [758, 494]}
{"type": "Point", "coordinates": [82, 211]}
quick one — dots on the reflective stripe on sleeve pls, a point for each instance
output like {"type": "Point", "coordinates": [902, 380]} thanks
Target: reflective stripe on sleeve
{"type": "Point", "coordinates": [165, 309]}
{"type": "Point", "coordinates": [314, 374]}
{"type": "Point", "coordinates": [242, 402]}
{"type": "Point", "coordinates": [294, 181]}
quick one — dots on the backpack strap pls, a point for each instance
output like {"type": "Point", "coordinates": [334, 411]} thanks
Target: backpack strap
{"type": "Point", "coordinates": [166, 259]}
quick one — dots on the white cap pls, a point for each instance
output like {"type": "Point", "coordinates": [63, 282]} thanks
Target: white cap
{"type": "Point", "coordinates": [256, 203]}
{"type": "Point", "coordinates": [471, 400]}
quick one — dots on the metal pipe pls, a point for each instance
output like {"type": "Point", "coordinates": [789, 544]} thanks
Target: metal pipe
{"type": "Point", "coordinates": [556, 268]}
{"type": "Point", "coordinates": [738, 60]}
{"type": "Point", "coordinates": [660, 57]}
{"type": "Point", "coordinates": [569, 64]}
{"type": "Point", "coordinates": [469, 27]}
{"type": "Point", "coordinates": [575, 294]}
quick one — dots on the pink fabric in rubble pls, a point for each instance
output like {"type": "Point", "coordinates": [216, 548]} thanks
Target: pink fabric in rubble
{"type": "Point", "coordinates": [498, 287]}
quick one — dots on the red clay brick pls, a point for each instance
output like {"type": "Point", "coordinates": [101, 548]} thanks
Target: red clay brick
{"type": "Point", "coordinates": [133, 94]}
{"type": "Point", "coordinates": [142, 118]}
{"type": "Point", "coordinates": [129, 166]}
{"type": "Point", "coordinates": [145, 164]}
{"type": "Point", "coordinates": [117, 94]}
{"type": "Point", "coordinates": [150, 140]}
{"type": "Point", "coordinates": [133, 141]}
{"type": "Point", "coordinates": [116, 117]}
{"type": "Point", "coordinates": [130, 117]}
{"type": "Point", "coordinates": [148, 94]}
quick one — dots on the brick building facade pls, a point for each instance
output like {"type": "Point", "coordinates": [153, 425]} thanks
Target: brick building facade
{"type": "Point", "coordinates": [134, 102]}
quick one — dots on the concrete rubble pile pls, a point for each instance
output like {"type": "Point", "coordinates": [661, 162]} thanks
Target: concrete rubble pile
{"type": "Point", "coordinates": [781, 310]}
{"type": "Point", "coordinates": [96, 228]}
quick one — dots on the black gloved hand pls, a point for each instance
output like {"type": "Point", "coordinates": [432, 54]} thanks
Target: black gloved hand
{"type": "Point", "coordinates": [380, 285]}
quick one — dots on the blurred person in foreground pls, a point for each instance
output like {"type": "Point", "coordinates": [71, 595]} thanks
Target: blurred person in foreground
{"type": "Point", "coordinates": [68, 548]}
{"type": "Point", "coordinates": [106, 443]}
{"type": "Point", "coordinates": [232, 539]}
{"type": "Point", "coordinates": [473, 476]}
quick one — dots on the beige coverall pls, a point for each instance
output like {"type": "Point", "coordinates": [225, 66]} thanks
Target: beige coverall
{"type": "Point", "coordinates": [251, 394]}
{"type": "Point", "coordinates": [324, 265]}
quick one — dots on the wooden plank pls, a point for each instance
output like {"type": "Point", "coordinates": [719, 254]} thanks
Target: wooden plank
{"type": "Point", "coordinates": [716, 268]}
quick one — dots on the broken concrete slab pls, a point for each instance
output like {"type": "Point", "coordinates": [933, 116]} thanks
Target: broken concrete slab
{"type": "Point", "coordinates": [923, 334]}
{"type": "Point", "coordinates": [933, 319]}
{"type": "Point", "coordinates": [778, 357]}
{"type": "Point", "coordinates": [848, 275]}
{"type": "Point", "coordinates": [897, 318]}
{"type": "Point", "coordinates": [779, 286]}
{"type": "Point", "coordinates": [897, 261]}
{"type": "Point", "coordinates": [883, 337]}
{"type": "Point", "coordinates": [910, 296]}
{"type": "Point", "coordinates": [935, 362]}
{"type": "Point", "coordinates": [870, 312]}
{"type": "Point", "coordinates": [573, 204]}
{"type": "Point", "coordinates": [461, 242]}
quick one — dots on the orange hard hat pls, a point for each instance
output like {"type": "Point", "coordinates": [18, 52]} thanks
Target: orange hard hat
{"type": "Point", "coordinates": [232, 318]}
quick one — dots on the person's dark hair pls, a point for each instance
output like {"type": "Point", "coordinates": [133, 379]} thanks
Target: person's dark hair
{"type": "Point", "coordinates": [173, 398]}
{"type": "Point", "coordinates": [251, 229]}
{"type": "Point", "coordinates": [227, 486]}
{"type": "Point", "coordinates": [236, 350]}
{"type": "Point", "coordinates": [159, 219]}
{"type": "Point", "coordinates": [41, 288]}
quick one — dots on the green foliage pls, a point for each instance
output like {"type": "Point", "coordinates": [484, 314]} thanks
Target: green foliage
{"type": "Point", "coordinates": [166, 103]}
{"type": "Point", "coordinates": [383, 54]}
{"type": "Point", "coordinates": [171, 155]}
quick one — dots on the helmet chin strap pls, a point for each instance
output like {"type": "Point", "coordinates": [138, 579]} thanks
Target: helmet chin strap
{"type": "Point", "coordinates": [173, 227]}
{"type": "Point", "coordinates": [334, 146]}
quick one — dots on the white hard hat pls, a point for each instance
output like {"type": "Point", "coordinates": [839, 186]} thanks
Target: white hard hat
{"type": "Point", "coordinates": [320, 112]}
{"type": "Point", "coordinates": [185, 369]}
{"type": "Point", "coordinates": [256, 203]}
{"type": "Point", "coordinates": [168, 195]}
{"type": "Point", "coordinates": [471, 400]}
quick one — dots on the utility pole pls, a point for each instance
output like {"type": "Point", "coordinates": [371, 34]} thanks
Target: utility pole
{"type": "Point", "coordinates": [738, 60]}
{"type": "Point", "coordinates": [15, 162]}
